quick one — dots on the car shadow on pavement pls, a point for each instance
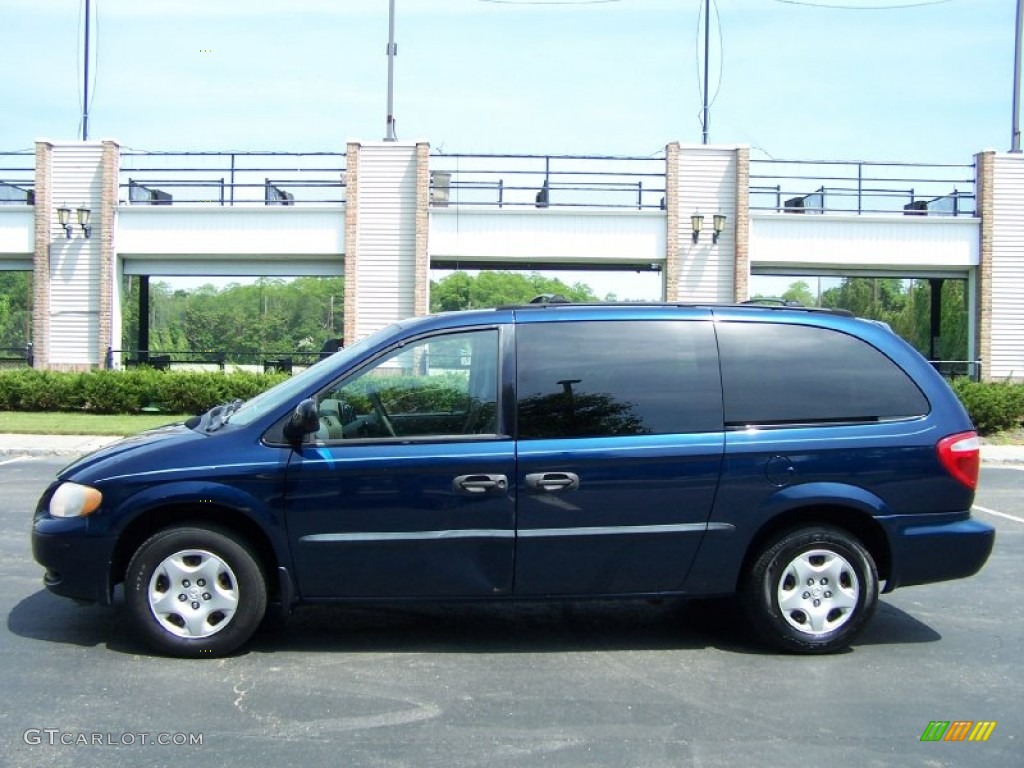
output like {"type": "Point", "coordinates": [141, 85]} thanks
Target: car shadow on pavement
{"type": "Point", "coordinates": [42, 616]}
{"type": "Point", "coordinates": [543, 627]}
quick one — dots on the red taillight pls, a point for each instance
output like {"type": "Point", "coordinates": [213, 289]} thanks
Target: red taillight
{"type": "Point", "coordinates": [960, 454]}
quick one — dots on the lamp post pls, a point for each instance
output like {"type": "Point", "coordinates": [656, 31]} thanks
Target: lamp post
{"type": "Point", "coordinates": [1015, 134]}
{"type": "Point", "coordinates": [85, 79]}
{"type": "Point", "coordinates": [392, 51]}
{"type": "Point", "coordinates": [707, 44]}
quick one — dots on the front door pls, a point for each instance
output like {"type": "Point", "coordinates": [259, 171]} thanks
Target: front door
{"type": "Point", "coordinates": [407, 490]}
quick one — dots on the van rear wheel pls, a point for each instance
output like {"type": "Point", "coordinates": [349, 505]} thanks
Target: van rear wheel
{"type": "Point", "coordinates": [195, 592]}
{"type": "Point", "coordinates": [811, 590]}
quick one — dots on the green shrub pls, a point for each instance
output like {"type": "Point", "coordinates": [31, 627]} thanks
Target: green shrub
{"type": "Point", "coordinates": [993, 406]}
{"type": "Point", "coordinates": [128, 391]}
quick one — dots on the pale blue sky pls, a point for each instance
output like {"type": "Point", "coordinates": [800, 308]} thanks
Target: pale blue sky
{"type": "Point", "coordinates": [928, 83]}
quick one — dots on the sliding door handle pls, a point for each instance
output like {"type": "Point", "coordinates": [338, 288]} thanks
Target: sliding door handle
{"type": "Point", "coordinates": [553, 481]}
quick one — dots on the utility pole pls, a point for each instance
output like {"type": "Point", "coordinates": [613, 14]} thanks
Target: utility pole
{"type": "Point", "coordinates": [1015, 136]}
{"type": "Point", "coordinates": [707, 46]}
{"type": "Point", "coordinates": [85, 80]}
{"type": "Point", "coordinates": [392, 52]}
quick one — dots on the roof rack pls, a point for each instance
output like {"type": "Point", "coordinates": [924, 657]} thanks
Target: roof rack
{"type": "Point", "coordinates": [538, 303]}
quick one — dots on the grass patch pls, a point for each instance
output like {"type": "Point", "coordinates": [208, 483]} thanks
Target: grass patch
{"type": "Point", "coordinates": [50, 423]}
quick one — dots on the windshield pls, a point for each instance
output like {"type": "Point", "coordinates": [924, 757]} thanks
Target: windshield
{"type": "Point", "coordinates": [291, 390]}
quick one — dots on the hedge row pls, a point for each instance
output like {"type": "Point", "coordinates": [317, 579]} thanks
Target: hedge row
{"type": "Point", "coordinates": [993, 406]}
{"type": "Point", "coordinates": [177, 392]}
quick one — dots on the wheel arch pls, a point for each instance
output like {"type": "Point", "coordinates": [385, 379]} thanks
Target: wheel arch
{"type": "Point", "coordinates": [855, 522]}
{"type": "Point", "coordinates": [211, 515]}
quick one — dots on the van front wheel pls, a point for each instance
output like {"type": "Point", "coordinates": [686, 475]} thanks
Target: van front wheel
{"type": "Point", "coordinates": [811, 590]}
{"type": "Point", "coordinates": [195, 591]}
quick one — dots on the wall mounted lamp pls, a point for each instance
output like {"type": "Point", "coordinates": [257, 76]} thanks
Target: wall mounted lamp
{"type": "Point", "coordinates": [719, 225]}
{"type": "Point", "coordinates": [64, 216]}
{"type": "Point", "coordinates": [82, 213]}
{"type": "Point", "coordinates": [696, 224]}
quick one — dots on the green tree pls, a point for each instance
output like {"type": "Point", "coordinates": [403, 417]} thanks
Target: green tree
{"type": "Point", "coordinates": [15, 309]}
{"type": "Point", "coordinates": [459, 290]}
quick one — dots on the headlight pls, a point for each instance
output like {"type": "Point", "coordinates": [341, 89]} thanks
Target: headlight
{"type": "Point", "coordinates": [74, 500]}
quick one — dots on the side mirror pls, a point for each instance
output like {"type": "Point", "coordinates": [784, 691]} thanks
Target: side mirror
{"type": "Point", "coordinates": [304, 421]}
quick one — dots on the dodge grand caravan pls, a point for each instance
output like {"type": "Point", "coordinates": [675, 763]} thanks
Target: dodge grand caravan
{"type": "Point", "coordinates": [803, 460]}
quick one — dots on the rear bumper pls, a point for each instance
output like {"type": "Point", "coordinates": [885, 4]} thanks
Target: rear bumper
{"type": "Point", "coordinates": [936, 548]}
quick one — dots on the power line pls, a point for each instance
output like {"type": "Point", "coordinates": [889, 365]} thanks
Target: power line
{"type": "Point", "coordinates": [891, 7]}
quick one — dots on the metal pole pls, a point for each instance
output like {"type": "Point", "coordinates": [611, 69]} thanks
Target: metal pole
{"type": "Point", "coordinates": [1015, 137]}
{"type": "Point", "coordinates": [707, 45]}
{"type": "Point", "coordinates": [392, 51]}
{"type": "Point", "coordinates": [85, 80]}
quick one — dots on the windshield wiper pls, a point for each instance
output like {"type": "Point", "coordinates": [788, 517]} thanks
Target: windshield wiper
{"type": "Point", "coordinates": [218, 416]}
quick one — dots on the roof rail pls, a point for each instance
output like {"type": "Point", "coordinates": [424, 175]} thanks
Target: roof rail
{"type": "Point", "coordinates": [795, 306]}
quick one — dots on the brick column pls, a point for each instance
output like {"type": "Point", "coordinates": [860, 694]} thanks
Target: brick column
{"type": "Point", "coordinates": [421, 287]}
{"type": "Point", "coordinates": [984, 183]}
{"type": "Point", "coordinates": [351, 240]}
{"type": "Point", "coordinates": [103, 228]}
{"type": "Point", "coordinates": [741, 279]}
{"type": "Point", "coordinates": [41, 257]}
{"type": "Point", "coordinates": [672, 256]}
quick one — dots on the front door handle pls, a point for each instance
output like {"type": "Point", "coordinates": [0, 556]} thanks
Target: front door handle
{"type": "Point", "coordinates": [480, 483]}
{"type": "Point", "coordinates": [553, 481]}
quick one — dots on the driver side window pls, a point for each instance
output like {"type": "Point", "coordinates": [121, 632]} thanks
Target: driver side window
{"type": "Point", "coordinates": [435, 387]}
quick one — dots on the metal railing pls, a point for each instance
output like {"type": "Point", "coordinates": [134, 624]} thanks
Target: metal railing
{"type": "Point", "coordinates": [212, 360]}
{"type": "Point", "coordinates": [17, 357]}
{"type": "Point", "coordinates": [516, 180]}
{"type": "Point", "coordinates": [17, 178]}
{"type": "Point", "coordinates": [232, 178]}
{"type": "Point", "coordinates": [547, 181]}
{"type": "Point", "coordinates": [828, 186]}
{"type": "Point", "coordinates": [954, 369]}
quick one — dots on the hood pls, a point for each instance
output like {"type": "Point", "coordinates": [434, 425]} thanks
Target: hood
{"type": "Point", "coordinates": [137, 446]}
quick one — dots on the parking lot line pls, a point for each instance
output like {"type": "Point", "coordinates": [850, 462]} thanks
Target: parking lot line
{"type": "Point", "coordinates": [999, 514]}
{"type": "Point", "coordinates": [15, 460]}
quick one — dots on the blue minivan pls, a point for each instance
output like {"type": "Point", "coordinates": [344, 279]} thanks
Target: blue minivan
{"type": "Point", "coordinates": [803, 460]}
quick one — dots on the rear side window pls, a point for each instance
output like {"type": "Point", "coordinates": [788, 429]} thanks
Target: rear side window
{"type": "Point", "coordinates": [596, 379]}
{"type": "Point", "coordinates": [774, 373]}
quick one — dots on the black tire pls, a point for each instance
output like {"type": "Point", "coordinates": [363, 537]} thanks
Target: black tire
{"type": "Point", "coordinates": [811, 590]}
{"type": "Point", "coordinates": [195, 592]}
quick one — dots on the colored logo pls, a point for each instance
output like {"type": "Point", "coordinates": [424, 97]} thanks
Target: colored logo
{"type": "Point", "coordinates": [958, 730]}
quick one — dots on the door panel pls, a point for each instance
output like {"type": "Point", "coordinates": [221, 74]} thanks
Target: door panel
{"type": "Point", "coordinates": [619, 454]}
{"type": "Point", "coordinates": [408, 490]}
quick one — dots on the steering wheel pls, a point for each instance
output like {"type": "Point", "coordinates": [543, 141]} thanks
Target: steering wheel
{"type": "Point", "coordinates": [382, 414]}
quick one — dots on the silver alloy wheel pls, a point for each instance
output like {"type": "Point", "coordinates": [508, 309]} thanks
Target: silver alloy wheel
{"type": "Point", "coordinates": [818, 592]}
{"type": "Point", "coordinates": [193, 593]}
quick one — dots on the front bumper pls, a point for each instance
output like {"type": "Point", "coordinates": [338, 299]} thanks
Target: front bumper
{"type": "Point", "coordinates": [77, 564]}
{"type": "Point", "coordinates": [933, 548]}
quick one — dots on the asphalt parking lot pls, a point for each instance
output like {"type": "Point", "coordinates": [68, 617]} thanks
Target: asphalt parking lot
{"type": "Point", "coordinates": [580, 684]}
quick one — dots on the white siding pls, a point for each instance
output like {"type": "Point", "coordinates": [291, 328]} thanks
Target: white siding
{"type": "Point", "coordinates": [75, 263]}
{"type": "Point", "coordinates": [1008, 268]}
{"type": "Point", "coordinates": [707, 185]}
{"type": "Point", "coordinates": [890, 243]}
{"type": "Point", "coordinates": [550, 235]}
{"type": "Point", "coordinates": [386, 251]}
